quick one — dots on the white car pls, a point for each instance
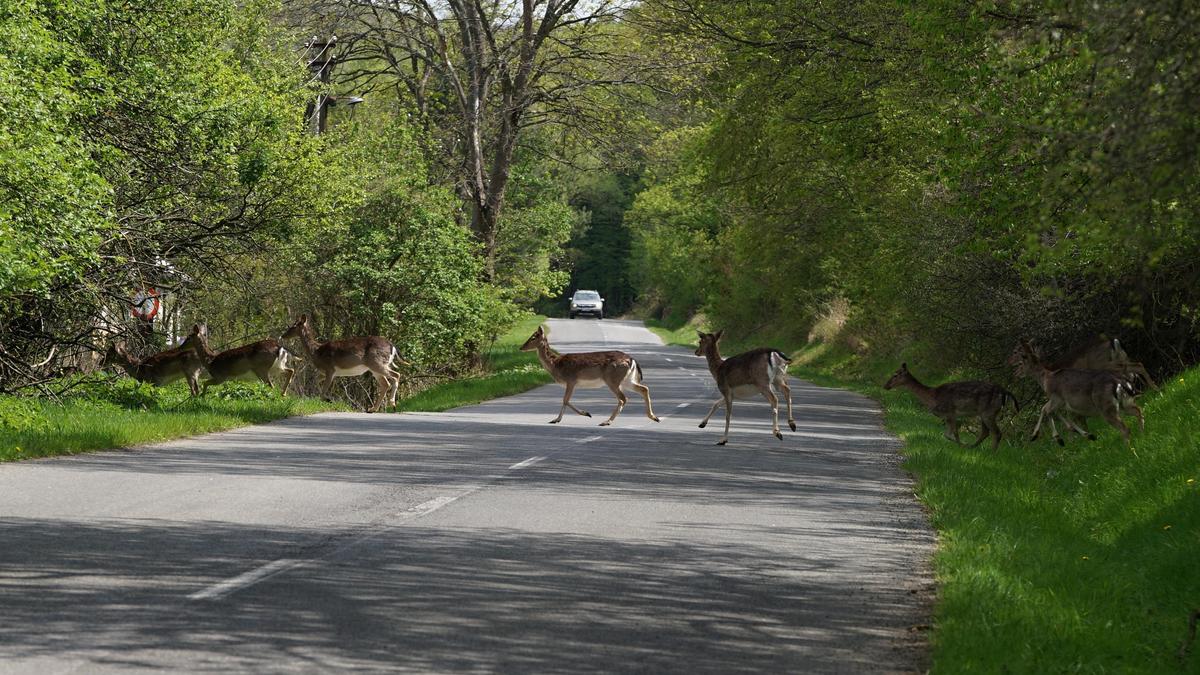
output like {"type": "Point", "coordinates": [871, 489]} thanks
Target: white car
{"type": "Point", "coordinates": [586, 302]}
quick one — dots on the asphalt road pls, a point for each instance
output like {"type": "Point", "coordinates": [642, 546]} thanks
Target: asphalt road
{"type": "Point", "coordinates": [482, 539]}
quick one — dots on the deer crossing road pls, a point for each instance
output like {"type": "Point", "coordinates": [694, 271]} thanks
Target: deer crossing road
{"type": "Point", "coordinates": [481, 539]}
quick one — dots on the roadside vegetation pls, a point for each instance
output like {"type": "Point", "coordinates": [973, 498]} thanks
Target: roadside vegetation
{"type": "Point", "coordinates": [507, 371]}
{"type": "Point", "coordinates": [119, 413]}
{"type": "Point", "coordinates": [1050, 559]}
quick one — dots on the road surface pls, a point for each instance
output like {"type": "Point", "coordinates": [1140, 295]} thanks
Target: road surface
{"type": "Point", "coordinates": [481, 539]}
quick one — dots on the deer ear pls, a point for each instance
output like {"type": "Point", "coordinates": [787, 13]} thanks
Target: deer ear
{"type": "Point", "coordinates": [904, 366]}
{"type": "Point", "coordinates": [719, 333]}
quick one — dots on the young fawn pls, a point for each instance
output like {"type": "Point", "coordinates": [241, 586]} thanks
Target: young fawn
{"type": "Point", "coordinates": [590, 369]}
{"type": "Point", "coordinates": [350, 357]}
{"type": "Point", "coordinates": [1076, 392]}
{"type": "Point", "coordinates": [162, 368]}
{"type": "Point", "coordinates": [1103, 353]}
{"type": "Point", "coordinates": [744, 376]}
{"type": "Point", "coordinates": [953, 401]}
{"type": "Point", "coordinates": [263, 359]}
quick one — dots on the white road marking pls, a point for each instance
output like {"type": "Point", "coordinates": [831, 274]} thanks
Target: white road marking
{"type": "Point", "coordinates": [531, 460]}
{"type": "Point", "coordinates": [246, 579]}
{"type": "Point", "coordinates": [589, 439]}
{"type": "Point", "coordinates": [685, 404]}
{"type": "Point", "coordinates": [669, 359]}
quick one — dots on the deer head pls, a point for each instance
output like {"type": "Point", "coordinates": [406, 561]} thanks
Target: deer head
{"type": "Point", "coordinates": [297, 329]}
{"type": "Point", "coordinates": [899, 377]}
{"type": "Point", "coordinates": [708, 342]}
{"type": "Point", "coordinates": [536, 340]}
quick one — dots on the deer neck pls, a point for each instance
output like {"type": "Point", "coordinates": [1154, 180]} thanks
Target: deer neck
{"type": "Point", "coordinates": [713, 356]}
{"type": "Point", "coordinates": [547, 356]}
{"type": "Point", "coordinates": [202, 350]}
{"type": "Point", "coordinates": [922, 392]}
{"type": "Point", "coordinates": [307, 341]}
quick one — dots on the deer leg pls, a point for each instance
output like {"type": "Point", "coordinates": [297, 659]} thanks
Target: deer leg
{"type": "Point", "coordinates": [265, 376]}
{"type": "Point", "coordinates": [1072, 425]}
{"type": "Point", "coordinates": [621, 399]}
{"type": "Point", "coordinates": [642, 389]}
{"type": "Point", "coordinates": [787, 393]}
{"type": "Point", "coordinates": [728, 414]}
{"type": "Point", "coordinates": [326, 385]}
{"type": "Point", "coordinates": [713, 409]}
{"type": "Point", "coordinates": [566, 402]}
{"type": "Point", "coordinates": [773, 400]}
{"type": "Point", "coordinates": [1113, 417]}
{"type": "Point", "coordinates": [288, 374]}
{"type": "Point", "coordinates": [1130, 408]}
{"type": "Point", "coordinates": [1054, 429]}
{"type": "Point", "coordinates": [985, 430]}
{"type": "Point", "coordinates": [995, 426]}
{"type": "Point", "coordinates": [1041, 418]}
{"type": "Point", "coordinates": [951, 432]}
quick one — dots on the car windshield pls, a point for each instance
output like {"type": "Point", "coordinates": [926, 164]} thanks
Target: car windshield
{"type": "Point", "coordinates": [587, 295]}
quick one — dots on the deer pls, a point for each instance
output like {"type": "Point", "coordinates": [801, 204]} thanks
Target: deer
{"type": "Point", "coordinates": [613, 369]}
{"type": "Point", "coordinates": [1103, 353]}
{"type": "Point", "coordinates": [162, 368]}
{"type": "Point", "coordinates": [745, 376]}
{"type": "Point", "coordinates": [1079, 392]}
{"type": "Point", "coordinates": [953, 401]}
{"type": "Point", "coordinates": [349, 357]}
{"type": "Point", "coordinates": [263, 358]}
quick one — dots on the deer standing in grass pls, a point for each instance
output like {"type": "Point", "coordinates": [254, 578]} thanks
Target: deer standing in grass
{"type": "Point", "coordinates": [263, 359]}
{"type": "Point", "coordinates": [953, 401]}
{"type": "Point", "coordinates": [590, 369]}
{"type": "Point", "coordinates": [745, 376]}
{"type": "Point", "coordinates": [162, 368]}
{"type": "Point", "coordinates": [350, 357]}
{"type": "Point", "coordinates": [1085, 393]}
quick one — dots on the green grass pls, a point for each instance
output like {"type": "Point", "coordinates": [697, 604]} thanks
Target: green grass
{"type": "Point", "coordinates": [125, 413]}
{"type": "Point", "coordinates": [675, 333]}
{"type": "Point", "coordinates": [1054, 560]}
{"type": "Point", "coordinates": [510, 371]}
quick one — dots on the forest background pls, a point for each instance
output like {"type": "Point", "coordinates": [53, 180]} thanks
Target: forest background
{"type": "Point", "coordinates": [931, 179]}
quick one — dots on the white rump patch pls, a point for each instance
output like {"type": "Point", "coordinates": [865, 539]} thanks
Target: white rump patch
{"type": "Point", "coordinates": [349, 372]}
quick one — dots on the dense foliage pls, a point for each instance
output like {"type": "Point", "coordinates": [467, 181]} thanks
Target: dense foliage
{"type": "Point", "coordinates": [960, 174]}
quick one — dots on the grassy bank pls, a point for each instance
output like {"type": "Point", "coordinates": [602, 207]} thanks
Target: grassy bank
{"type": "Point", "coordinates": [510, 371]}
{"type": "Point", "coordinates": [1051, 560]}
{"type": "Point", "coordinates": [123, 413]}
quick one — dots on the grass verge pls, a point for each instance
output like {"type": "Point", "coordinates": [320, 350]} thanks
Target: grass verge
{"type": "Point", "coordinates": [1084, 558]}
{"type": "Point", "coordinates": [510, 371]}
{"type": "Point", "coordinates": [123, 413]}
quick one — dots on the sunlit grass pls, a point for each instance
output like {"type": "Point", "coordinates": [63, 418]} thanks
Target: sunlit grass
{"type": "Point", "coordinates": [126, 413]}
{"type": "Point", "coordinates": [509, 371]}
{"type": "Point", "coordinates": [1052, 560]}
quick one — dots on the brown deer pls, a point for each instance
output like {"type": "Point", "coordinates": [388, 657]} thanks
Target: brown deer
{"type": "Point", "coordinates": [262, 358]}
{"type": "Point", "coordinates": [1103, 353]}
{"type": "Point", "coordinates": [953, 401]}
{"type": "Point", "coordinates": [745, 376]}
{"type": "Point", "coordinates": [590, 369]}
{"type": "Point", "coordinates": [1084, 393]}
{"type": "Point", "coordinates": [162, 368]}
{"type": "Point", "coordinates": [350, 357]}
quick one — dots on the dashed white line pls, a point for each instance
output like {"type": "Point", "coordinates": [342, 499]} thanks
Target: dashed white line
{"type": "Point", "coordinates": [528, 462]}
{"type": "Point", "coordinates": [589, 439]}
{"type": "Point", "coordinates": [246, 579]}
{"type": "Point", "coordinates": [684, 405]}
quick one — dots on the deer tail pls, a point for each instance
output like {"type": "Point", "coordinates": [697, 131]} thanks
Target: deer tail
{"type": "Point", "coordinates": [638, 368]}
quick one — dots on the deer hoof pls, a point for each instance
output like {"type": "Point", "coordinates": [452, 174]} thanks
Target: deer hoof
{"type": "Point", "coordinates": [1091, 437]}
{"type": "Point", "coordinates": [604, 424]}
{"type": "Point", "coordinates": [655, 419]}
{"type": "Point", "coordinates": [778, 435]}
{"type": "Point", "coordinates": [792, 425]}
{"type": "Point", "coordinates": [553, 421]}
{"type": "Point", "coordinates": [703, 424]}
{"type": "Point", "coordinates": [1060, 442]}
{"type": "Point", "coordinates": [587, 414]}
{"type": "Point", "coordinates": [722, 442]}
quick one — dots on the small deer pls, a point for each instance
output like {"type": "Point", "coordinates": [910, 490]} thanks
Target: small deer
{"type": "Point", "coordinates": [1083, 393]}
{"type": "Point", "coordinates": [162, 368]}
{"type": "Point", "coordinates": [953, 401]}
{"type": "Point", "coordinates": [590, 369]}
{"type": "Point", "coordinates": [1103, 353]}
{"type": "Point", "coordinates": [350, 357]}
{"type": "Point", "coordinates": [745, 376]}
{"type": "Point", "coordinates": [262, 358]}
